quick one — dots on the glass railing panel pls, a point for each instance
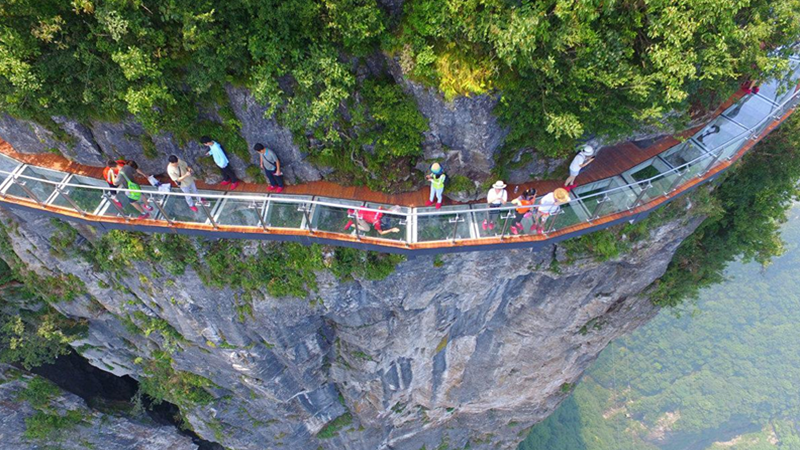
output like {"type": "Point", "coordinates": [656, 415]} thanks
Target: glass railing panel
{"type": "Point", "coordinates": [495, 220]}
{"type": "Point", "coordinates": [718, 132]}
{"type": "Point", "coordinates": [685, 153]}
{"type": "Point", "coordinates": [335, 218]}
{"type": "Point", "coordinates": [88, 200]}
{"type": "Point", "coordinates": [659, 186]}
{"type": "Point", "coordinates": [569, 214]}
{"type": "Point", "coordinates": [394, 217]}
{"type": "Point", "coordinates": [749, 111]}
{"type": "Point", "coordinates": [7, 165]}
{"type": "Point", "coordinates": [730, 149]}
{"type": "Point", "coordinates": [593, 193]}
{"type": "Point", "coordinates": [241, 212]}
{"type": "Point", "coordinates": [783, 109]}
{"type": "Point", "coordinates": [612, 202]}
{"type": "Point", "coordinates": [286, 214]}
{"type": "Point", "coordinates": [41, 189]}
{"type": "Point", "coordinates": [110, 210]}
{"type": "Point", "coordinates": [177, 209]}
{"type": "Point", "coordinates": [442, 227]}
{"type": "Point", "coordinates": [778, 90]}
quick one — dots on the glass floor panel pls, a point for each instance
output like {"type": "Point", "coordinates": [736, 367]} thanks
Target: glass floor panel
{"type": "Point", "coordinates": [286, 215]}
{"type": "Point", "coordinates": [178, 210]}
{"type": "Point", "coordinates": [779, 90]}
{"type": "Point", "coordinates": [719, 132]}
{"type": "Point", "coordinates": [440, 228]}
{"type": "Point", "coordinates": [591, 194]}
{"type": "Point", "coordinates": [130, 211]}
{"type": "Point", "coordinates": [7, 165]}
{"type": "Point", "coordinates": [331, 218]}
{"type": "Point", "coordinates": [87, 200]}
{"type": "Point", "coordinates": [749, 111]}
{"type": "Point", "coordinates": [399, 220]}
{"type": "Point", "coordinates": [42, 190]}
{"type": "Point", "coordinates": [242, 213]}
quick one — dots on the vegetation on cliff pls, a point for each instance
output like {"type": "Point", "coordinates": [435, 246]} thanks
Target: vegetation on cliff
{"type": "Point", "coordinates": [724, 373]}
{"type": "Point", "coordinates": [564, 68]}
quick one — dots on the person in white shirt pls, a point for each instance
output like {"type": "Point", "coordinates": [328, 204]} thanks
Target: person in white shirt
{"type": "Point", "coordinates": [495, 198]}
{"type": "Point", "coordinates": [581, 160]}
{"type": "Point", "coordinates": [550, 206]}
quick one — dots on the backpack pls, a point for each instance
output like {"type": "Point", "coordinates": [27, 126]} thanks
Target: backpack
{"type": "Point", "coordinates": [136, 194]}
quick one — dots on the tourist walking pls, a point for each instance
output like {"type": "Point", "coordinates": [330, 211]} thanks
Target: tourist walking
{"type": "Point", "coordinates": [125, 180]}
{"type": "Point", "coordinates": [182, 175]}
{"type": "Point", "coordinates": [271, 166]}
{"type": "Point", "coordinates": [495, 198]}
{"type": "Point", "coordinates": [221, 160]}
{"type": "Point", "coordinates": [549, 207]}
{"type": "Point", "coordinates": [523, 213]}
{"type": "Point", "coordinates": [437, 178]}
{"type": "Point", "coordinates": [581, 160]}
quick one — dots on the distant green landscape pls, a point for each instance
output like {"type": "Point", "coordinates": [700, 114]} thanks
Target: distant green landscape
{"type": "Point", "coordinates": [721, 374]}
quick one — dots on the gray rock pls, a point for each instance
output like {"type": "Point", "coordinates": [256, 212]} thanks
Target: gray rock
{"type": "Point", "coordinates": [96, 430]}
{"type": "Point", "coordinates": [258, 128]}
{"type": "Point", "coordinates": [474, 351]}
{"type": "Point", "coordinates": [464, 131]}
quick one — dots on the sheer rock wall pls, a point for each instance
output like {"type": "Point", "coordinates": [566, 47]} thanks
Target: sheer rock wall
{"type": "Point", "coordinates": [473, 351]}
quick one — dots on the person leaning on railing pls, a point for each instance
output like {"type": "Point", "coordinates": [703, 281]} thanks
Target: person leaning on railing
{"type": "Point", "coordinates": [549, 207]}
{"type": "Point", "coordinates": [581, 160]}
{"type": "Point", "coordinates": [495, 198]}
{"type": "Point", "coordinates": [375, 218]}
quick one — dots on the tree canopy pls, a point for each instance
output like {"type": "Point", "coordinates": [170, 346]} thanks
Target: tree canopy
{"type": "Point", "coordinates": [563, 68]}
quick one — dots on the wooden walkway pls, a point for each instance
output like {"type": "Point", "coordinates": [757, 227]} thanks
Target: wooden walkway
{"type": "Point", "coordinates": [610, 161]}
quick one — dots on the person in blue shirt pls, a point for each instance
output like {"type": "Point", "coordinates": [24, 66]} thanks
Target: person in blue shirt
{"type": "Point", "coordinates": [221, 160]}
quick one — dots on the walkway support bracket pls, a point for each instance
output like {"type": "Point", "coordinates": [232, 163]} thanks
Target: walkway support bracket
{"type": "Point", "coordinates": [152, 199]}
{"type": "Point", "coordinates": [204, 204]}
{"type": "Point", "coordinates": [27, 190]}
{"type": "Point", "coordinates": [640, 197]}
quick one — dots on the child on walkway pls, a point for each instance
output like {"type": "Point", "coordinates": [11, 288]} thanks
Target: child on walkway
{"type": "Point", "coordinates": [524, 211]}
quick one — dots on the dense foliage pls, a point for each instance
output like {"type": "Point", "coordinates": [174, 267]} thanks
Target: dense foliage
{"type": "Point", "coordinates": [564, 68]}
{"type": "Point", "coordinates": [728, 370]}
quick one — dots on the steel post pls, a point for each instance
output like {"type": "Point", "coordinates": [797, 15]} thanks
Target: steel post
{"type": "Point", "coordinates": [74, 205]}
{"type": "Point", "coordinates": [152, 199]}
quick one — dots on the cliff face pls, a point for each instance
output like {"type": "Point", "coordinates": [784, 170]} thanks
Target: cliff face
{"type": "Point", "coordinates": [468, 349]}
{"type": "Point", "coordinates": [84, 427]}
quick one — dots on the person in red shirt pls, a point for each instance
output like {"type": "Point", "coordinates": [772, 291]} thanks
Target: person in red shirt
{"type": "Point", "coordinates": [375, 218]}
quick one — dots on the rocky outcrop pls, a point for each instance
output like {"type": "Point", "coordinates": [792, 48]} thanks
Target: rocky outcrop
{"type": "Point", "coordinates": [84, 429]}
{"type": "Point", "coordinates": [470, 349]}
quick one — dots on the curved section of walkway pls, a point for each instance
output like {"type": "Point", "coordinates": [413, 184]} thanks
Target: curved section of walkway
{"type": "Point", "coordinates": [625, 184]}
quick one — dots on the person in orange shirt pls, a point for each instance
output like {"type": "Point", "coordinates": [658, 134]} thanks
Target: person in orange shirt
{"type": "Point", "coordinates": [110, 174]}
{"type": "Point", "coordinates": [523, 201]}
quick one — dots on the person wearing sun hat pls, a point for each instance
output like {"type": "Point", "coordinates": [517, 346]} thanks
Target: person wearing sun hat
{"type": "Point", "coordinates": [581, 160]}
{"type": "Point", "coordinates": [495, 198]}
{"type": "Point", "coordinates": [437, 178]}
{"type": "Point", "coordinates": [549, 206]}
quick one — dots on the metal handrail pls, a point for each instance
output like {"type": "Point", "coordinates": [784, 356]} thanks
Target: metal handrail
{"type": "Point", "coordinates": [713, 153]}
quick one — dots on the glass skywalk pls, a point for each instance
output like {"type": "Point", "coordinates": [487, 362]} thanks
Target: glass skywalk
{"type": "Point", "coordinates": [89, 199]}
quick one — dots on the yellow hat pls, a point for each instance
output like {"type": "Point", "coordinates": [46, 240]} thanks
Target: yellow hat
{"type": "Point", "coordinates": [561, 195]}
